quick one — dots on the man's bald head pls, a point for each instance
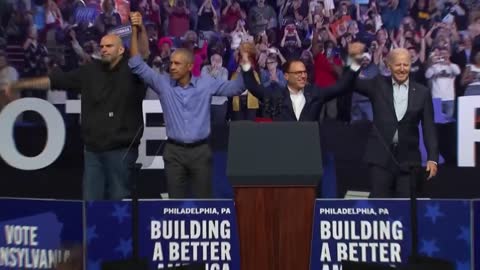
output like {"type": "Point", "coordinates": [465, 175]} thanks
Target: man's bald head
{"type": "Point", "coordinates": [113, 39]}
{"type": "Point", "coordinates": [112, 49]}
{"type": "Point", "coordinates": [399, 61]}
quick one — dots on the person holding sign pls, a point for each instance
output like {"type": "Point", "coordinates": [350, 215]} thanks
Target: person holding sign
{"type": "Point", "coordinates": [186, 103]}
{"type": "Point", "coordinates": [399, 105]}
{"type": "Point", "coordinates": [112, 119]}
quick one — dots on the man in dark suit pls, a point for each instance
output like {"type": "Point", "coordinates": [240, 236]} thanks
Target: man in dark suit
{"type": "Point", "coordinates": [399, 105]}
{"type": "Point", "coordinates": [299, 101]}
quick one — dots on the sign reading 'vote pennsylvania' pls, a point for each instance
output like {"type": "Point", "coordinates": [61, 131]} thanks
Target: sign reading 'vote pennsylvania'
{"type": "Point", "coordinates": [172, 233]}
{"type": "Point", "coordinates": [378, 231]}
{"type": "Point", "coordinates": [38, 234]}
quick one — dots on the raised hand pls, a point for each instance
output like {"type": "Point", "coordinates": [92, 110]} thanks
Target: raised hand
{"type": "Point", "coordinates": [136, 19]}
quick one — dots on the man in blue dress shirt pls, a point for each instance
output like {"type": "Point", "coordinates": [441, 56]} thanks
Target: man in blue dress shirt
{"type": "Point", "coordinates": [186, 103]}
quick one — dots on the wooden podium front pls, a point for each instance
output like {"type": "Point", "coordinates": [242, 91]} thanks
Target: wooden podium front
{"type": "Point", "coordinates": [275, 227]}
{"type": "Point", "coordinates": [274, 169]}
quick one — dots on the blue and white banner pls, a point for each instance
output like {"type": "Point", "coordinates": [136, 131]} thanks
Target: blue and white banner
{"type": "Point", "coordinates": [378, 231]}
{"type": "Point", "coordinates": [124, 32]}
{"type": "Point", "coordinates": [172, 233]}
{"type": "Point", "coordinates": [39, 234]}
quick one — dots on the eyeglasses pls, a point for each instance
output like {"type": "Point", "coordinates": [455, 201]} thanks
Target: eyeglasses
{"type": "Point", "coordinates": [298, 73]}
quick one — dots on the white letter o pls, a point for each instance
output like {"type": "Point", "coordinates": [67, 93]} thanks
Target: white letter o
{"type": "Point", "coordinates": [55, 134]}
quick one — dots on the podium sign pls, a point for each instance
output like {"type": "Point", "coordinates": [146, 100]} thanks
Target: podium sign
{"type": "Point", "coordinates": [378, 231]}
{"type": "Point", "coordinates": [171, 233]}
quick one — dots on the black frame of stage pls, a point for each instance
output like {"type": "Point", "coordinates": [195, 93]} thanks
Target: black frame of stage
{"type": "Point", "coordinates": [63, 179]}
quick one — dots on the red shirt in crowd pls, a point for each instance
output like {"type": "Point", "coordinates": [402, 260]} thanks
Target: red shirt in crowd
{"type": "Point", "coordinates": [325, 75]}
{"type": "Point", "coordinates": [231, 18]}
{"type": "Point", "coordinates": [178, 23]}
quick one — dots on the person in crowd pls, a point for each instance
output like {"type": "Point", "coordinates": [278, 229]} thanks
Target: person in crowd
{"type": "Point", "coordinates": [215, 69]}
{"type": "Point", "coordinates": [261, 17]}
{"type": "Point", "coordinates": [191, 42]}
{"type": "Point", "coordinates": [178, 18]}
{"type": "Point", "coordinates": [108, 19]}
{"type": "Point", "coordinates": [8, 75]}
{"type": "Point", "coordinates": [291, 43]}
{"type": "Point", "coordinates": [35, 55]}
{"type": "Point", "coordinates": [246, 106]}
{"type": "Point", "coordinates": [442, 74]}
{"type": "Point", "coordinates": [112, 118]}
{"type": "Point", "coordinates": [272, 76]}
{"type": "Point", "coordinates": [207, 19]}
{"type": "Point", "coordinates": [361, 105]}
{"type": "Point", "coordinates": [232, 13]}
{"type": "Point", "coordinates": [328, 68]}
{"type": "Point", "coordinates": [471, 77]}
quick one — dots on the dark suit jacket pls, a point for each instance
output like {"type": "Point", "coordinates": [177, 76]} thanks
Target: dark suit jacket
{"type": "Point", "coordinates": [385, 123]}
{"type": "Point", "coordinates": [279, 104]}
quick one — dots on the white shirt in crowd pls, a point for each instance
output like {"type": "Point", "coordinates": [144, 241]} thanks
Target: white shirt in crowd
{"type": "Point", "coordinates": [442, 77]}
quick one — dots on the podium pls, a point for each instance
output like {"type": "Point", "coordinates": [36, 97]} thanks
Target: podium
{"type": "Point", "coordinates": [274, 169]}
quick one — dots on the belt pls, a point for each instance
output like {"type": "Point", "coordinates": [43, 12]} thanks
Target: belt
{"type": "Point", "coordinates": [189, 145]}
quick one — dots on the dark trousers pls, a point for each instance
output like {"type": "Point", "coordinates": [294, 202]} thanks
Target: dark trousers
{"type": "Point", "coordinates": [394, 181]}
{"type": "Point", "coordinates": [108, 175]}
{"type": "Point", "coordinates": [386, 183]}
{"type": "Point", "coordinates": [188, 170]}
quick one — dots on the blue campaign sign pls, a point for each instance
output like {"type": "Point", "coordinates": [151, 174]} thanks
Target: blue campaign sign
{"type": "Point", "coordinates": [39, 234]}
{"type": "Point", "coordinates": [124, 32]}
{"type": "Point", "coordinates": [172, 232]}
{"type": "Point", "coordinates": [359, 230]}
{"type": "Point", "coordinates": [379, 231]}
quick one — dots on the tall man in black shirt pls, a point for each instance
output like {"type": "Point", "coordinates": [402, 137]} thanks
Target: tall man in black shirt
{"type": "Point", "coordinates": [112, 120]}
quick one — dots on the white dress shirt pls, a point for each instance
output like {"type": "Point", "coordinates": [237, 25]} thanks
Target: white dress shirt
{"type": "Point", "coordinates": [298, 98]}
{"type": "Point", "coordinates": [298, 102]}
{"type": "Point", "coordinates": [400, 102]}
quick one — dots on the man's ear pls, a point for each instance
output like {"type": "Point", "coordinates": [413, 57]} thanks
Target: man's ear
{"type": "Point", "coordinates": [121, 50]}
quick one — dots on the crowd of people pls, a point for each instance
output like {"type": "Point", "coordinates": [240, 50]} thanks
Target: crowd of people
{"type": "Point", "coordinates": [439, 34]}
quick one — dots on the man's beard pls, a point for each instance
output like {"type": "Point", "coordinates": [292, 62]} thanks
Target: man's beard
{"type": "Point", "coordinates": [106, 60]}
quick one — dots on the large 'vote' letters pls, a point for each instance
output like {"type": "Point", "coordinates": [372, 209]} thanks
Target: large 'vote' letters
{"type": "Point", "coordinates": [468, 135]}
